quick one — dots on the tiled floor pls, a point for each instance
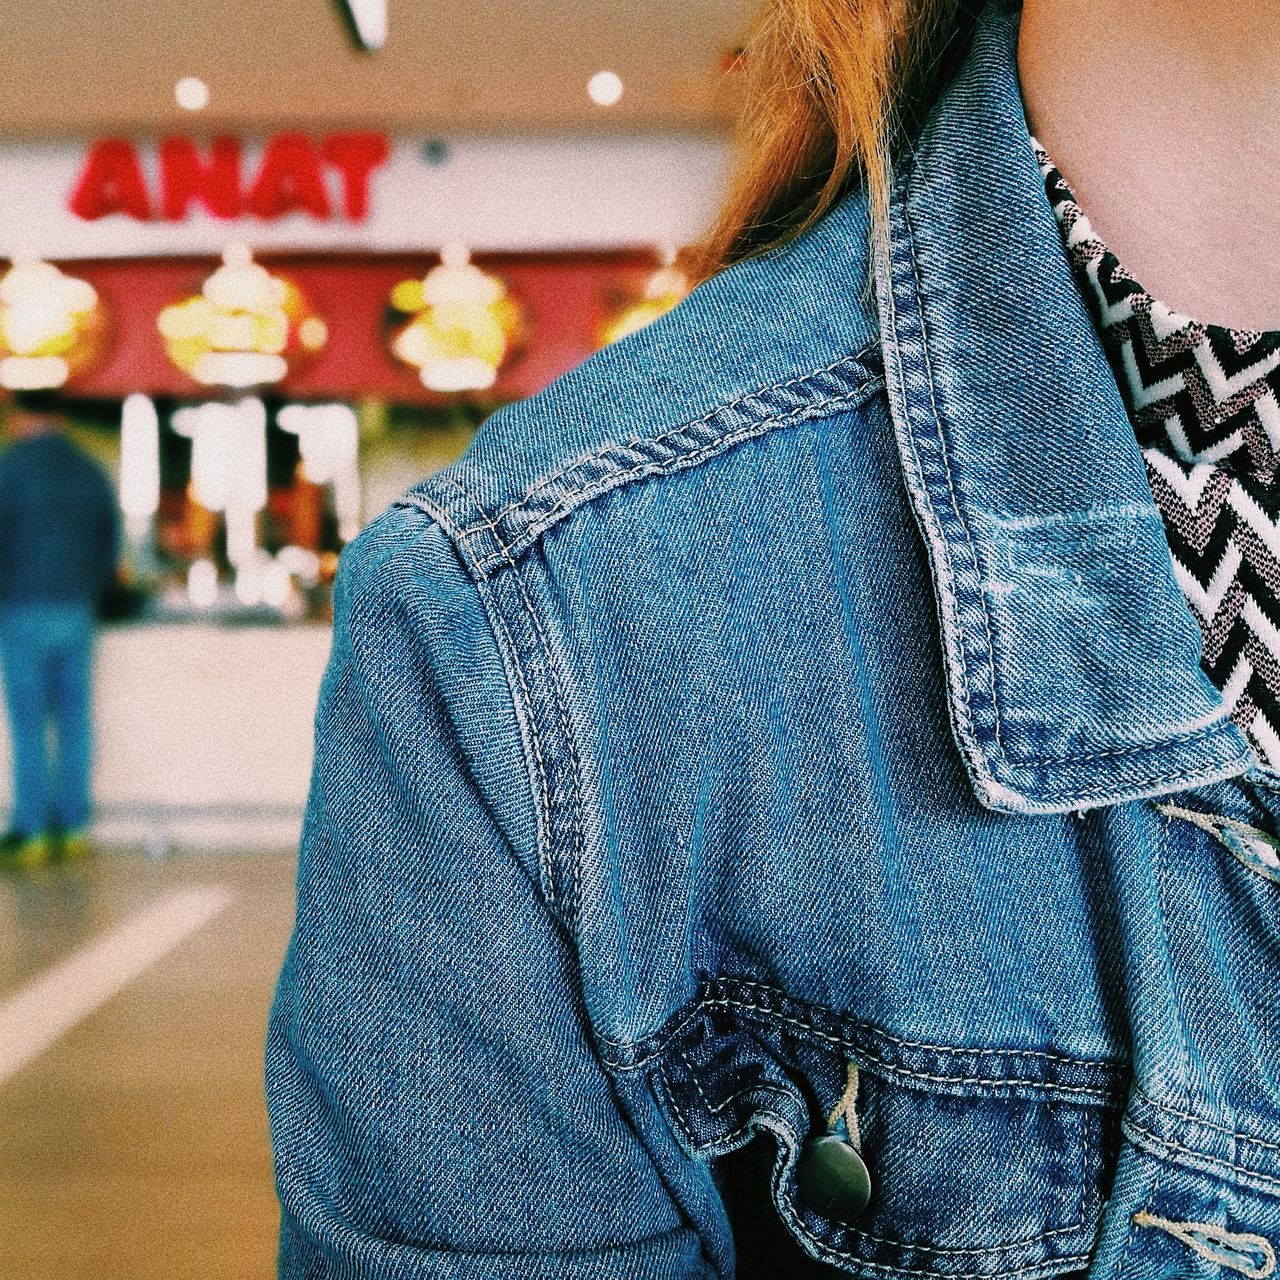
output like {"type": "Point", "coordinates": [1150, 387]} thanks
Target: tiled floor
{"type": "Point", "coordinates": [135, 1146]}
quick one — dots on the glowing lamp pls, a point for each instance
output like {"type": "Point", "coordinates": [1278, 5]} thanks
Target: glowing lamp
{"type": "Point", "coordinates": [245, 328]}
{"type": "Point", "coordinates": [51, 326]}
{"type": "Point", "coordinates": [662, 291]}
{"type": "Point", "coordinates": [462, 325]}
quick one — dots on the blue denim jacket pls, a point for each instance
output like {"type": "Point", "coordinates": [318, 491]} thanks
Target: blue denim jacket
{"type": "Point", "coordinates": [802, 682]}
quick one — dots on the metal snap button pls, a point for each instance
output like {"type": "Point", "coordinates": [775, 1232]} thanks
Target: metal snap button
{"type": "Point", "coordinates": [833, 1178]}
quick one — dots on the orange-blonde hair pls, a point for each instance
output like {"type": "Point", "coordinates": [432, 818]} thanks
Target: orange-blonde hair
{"type": "Point", "coordinates": [832, 86]}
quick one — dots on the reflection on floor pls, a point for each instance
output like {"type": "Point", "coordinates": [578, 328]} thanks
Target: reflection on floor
{"type": "Point", "coordinates": [135, 1145]}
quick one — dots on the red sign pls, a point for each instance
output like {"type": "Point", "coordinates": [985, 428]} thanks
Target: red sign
{"type": "Point", "coordinates": [290, 178]}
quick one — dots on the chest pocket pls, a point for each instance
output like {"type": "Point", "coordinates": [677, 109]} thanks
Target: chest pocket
{"type": "Point", "coordinates": [982, 1163]}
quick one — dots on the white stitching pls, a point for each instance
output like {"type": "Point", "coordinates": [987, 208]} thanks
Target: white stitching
{"type": "Point", "coordinates": [1198, 1159]}
{"type": "Point", "coordinates": [1208, 1124]}
{"type": "Point", "coordinates": [939, 550]}
{"type": "Point", "coordinates": [539, 486]}
{"type": "Point", "coordinates": [575, 763]}
{"type": "Point", "coordinates": [544, 790]}
{"type": "Point", "coordinates": [913, 1044]}
{"type": "Point", "coordinates": [557, 693]}
{"type": "Point", "coordinates": [946, 464]}
{"type": "Point", "coordinates": [679, 462]}
{"type": "Point", "coordinates": [1163, 898]}
{"type": "Point", "coordinates": [544, 860]}
{"type": "Point", "coordinates": [1096, 1091]}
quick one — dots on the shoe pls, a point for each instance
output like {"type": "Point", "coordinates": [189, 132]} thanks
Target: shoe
{"type": "Point", "coordinates": [25, 853]}
{"type": "Point", "coordinates": [74, 845]}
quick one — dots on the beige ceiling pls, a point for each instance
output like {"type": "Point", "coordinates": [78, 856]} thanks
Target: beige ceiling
{"type": "Point", "coordinates": [76, 67]}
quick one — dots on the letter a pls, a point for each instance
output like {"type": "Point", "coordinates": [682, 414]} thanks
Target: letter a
{"type": "Point", "coordinates": [112, 182]}
{"type": "Point", "coordinates": [290, 180]}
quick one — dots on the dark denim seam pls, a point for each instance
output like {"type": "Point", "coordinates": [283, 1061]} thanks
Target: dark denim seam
{"type": "Point", "coordinates": [1178, 1153]}
{"type": "Point", "coordinates": [541, 761]}
{"type": "Point", "coordinates": [850, 1034]}
{"type": "Point", "coordinates": [499, 623]}
{"type": "Point", "coordinates": [451, 1256]}
{"type": "Point", "coordinates": [828, 1247]}
{"type": "Point", "coordinates": [1217, 1147]}
{"type": "Point", "coordinates": [1160, 874]}
{"type": "Point", "coordinates": [726, 1142]}
{"type": "Point", "coordinates": [495, 542]}
{"type": "Point", "coordinates": [569, 742]}
{"type": "Point", "coordinates": [1264, 778]}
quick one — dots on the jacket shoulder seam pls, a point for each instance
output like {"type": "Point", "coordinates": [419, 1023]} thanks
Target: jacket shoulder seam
{"type": "Point", "coordinates": [494, 541]}
{"type": "Point", "coordinates": [536, 689]}
{"type": "Point", "coordinates": [521, 692]}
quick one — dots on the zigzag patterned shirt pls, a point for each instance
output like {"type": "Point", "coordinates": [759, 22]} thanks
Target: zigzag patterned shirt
{"type": "Point", "coordinates": [1205, 405]}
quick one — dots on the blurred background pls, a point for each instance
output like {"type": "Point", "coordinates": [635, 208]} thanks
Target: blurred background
{"type": "Point", "coordinates": [270, 265]}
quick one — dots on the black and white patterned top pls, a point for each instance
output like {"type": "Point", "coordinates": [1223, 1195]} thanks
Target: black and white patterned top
{"type": "Point", "coordinates": [1205, 404]}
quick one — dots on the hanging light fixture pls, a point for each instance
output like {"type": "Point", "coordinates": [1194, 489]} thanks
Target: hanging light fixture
{"type": "Point", "coordinates": [51, 326]}
{"type": "Point", "coordinates": [663, 290]}
{"type": "Point", "coordinates": [368, 18]}
{"type": "Point", "coordinates": [245, 328]}
{"type": "Point", "coordinates": [462, 324]}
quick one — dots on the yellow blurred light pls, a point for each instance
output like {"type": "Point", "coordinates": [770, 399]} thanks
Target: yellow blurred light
{"type": "Point", "coordinates": [664, 289]}
{"type": "Point", "coordinates": [463, 324]}
{"type": "Point", "coordinates": [50, 325]}
{"type": "Point", "coordinates": [313, 333]}
{"type": "Point", "coordinates": [407, 296]}
{"type": "Point", "coordinates": [243, 326]}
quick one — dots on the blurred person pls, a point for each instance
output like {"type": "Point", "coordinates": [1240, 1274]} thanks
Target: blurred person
{"type": "Point", "coordinates": [800, 796]}
{"type": "Point", "coordinates": [59, 542]}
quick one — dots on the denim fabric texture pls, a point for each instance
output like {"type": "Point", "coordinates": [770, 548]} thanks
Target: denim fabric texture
{"type": "Point", "coordinates": [46, 651]}
{"type": "Point", "coordinates": [800, 683]}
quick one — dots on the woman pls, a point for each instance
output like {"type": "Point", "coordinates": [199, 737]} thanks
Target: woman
{"type": "Point", "coordinates": [775, 811]}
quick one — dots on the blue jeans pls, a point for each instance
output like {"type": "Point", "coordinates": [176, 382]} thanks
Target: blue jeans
{"type": "Point", "coordinates": [47, 654]}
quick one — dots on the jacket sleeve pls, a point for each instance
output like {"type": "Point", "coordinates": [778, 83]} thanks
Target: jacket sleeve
{"type": "Point", "coordinates": [437, 1109]}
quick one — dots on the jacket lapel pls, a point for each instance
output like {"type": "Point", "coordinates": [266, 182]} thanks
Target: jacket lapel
{"type": "Point", "coordinates": [1072, 658]}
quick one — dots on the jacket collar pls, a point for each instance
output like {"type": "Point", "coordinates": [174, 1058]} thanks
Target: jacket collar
{"type": "Point", "coordinates": [1072, 659]}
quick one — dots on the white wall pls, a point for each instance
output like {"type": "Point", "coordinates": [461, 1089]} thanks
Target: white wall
{"type": "Point", "coordinates": [506, 194]}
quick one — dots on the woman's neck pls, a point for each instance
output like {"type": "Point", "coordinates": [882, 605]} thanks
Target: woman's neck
{"type": "Point", "coordinates": [1163, 115]}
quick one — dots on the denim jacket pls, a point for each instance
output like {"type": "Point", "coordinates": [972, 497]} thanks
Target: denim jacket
{"type": "Point", "coordinates": [801, 684]}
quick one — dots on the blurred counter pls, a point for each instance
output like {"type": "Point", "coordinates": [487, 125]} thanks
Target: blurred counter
{"type": "Point", "coordinates": [204, 734]}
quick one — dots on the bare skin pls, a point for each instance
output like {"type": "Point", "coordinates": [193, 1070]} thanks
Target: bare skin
{"type": "Point", "coordinates": [1162, 115]}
